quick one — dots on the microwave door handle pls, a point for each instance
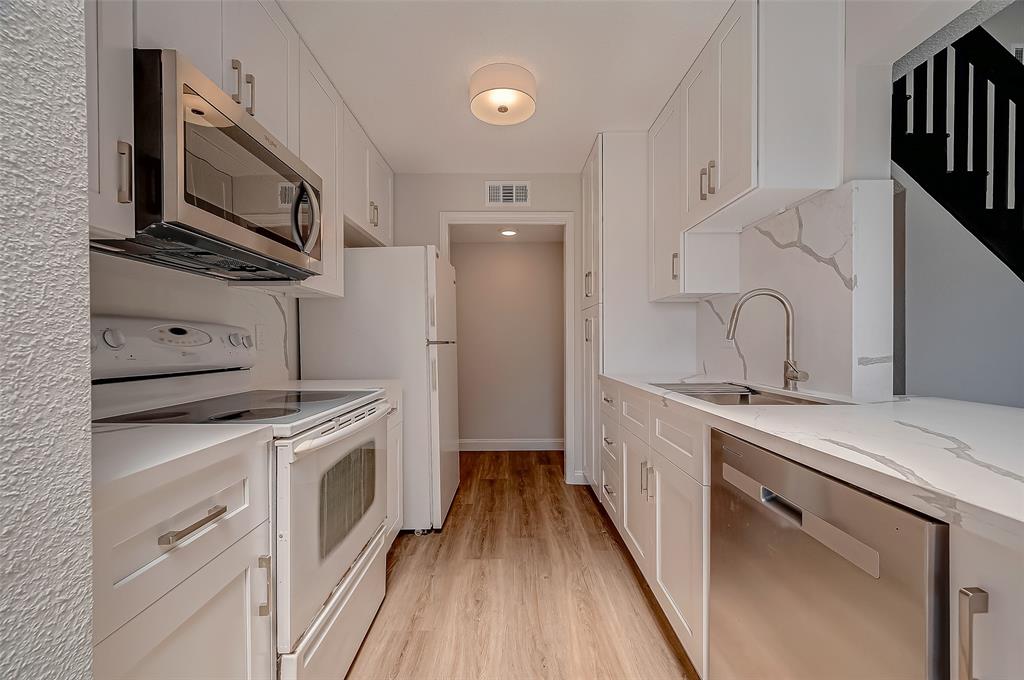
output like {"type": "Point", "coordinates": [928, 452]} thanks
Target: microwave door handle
{"type": "Point", "coordinates": [296, 206]}
{"type": "Point", "coordinates": [315, 443]}
{"type": "Point", "coordinates": [314, 228]}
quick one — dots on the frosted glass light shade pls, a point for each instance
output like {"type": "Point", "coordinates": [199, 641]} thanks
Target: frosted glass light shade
{"type": "Point", "coordinates": [502, 94]}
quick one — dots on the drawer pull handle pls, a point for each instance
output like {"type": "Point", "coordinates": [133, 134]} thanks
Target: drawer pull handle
{"type": "Point", "coordinates": [608, 441]}
{"type": "Point", "coordinates": [174, 537]}
{"type": "Point", "coordinates": [608, 490]}
{"type": "Point", "coordinates": [263, 562]}
{"type": "Point", "coordinates": [972, 601]}
{"type": "Point", "coordinates": [607, 400]}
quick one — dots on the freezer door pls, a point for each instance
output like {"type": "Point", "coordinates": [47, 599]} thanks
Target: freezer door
{"type": "Point", "coordinates": [444, 386]}
{"type": "Point", "coordinates": [441, 300]}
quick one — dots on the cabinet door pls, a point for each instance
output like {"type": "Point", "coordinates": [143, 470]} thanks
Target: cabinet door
{"type": "Point", "coordinates": [678, 578]}
{"type": "Point", "coordinates": [192, 28]}
{"type": "Point", "coordinates": [111, 134]}
{"type": "Point", "coordinates": [381, 182]}
{"type": "Point", "coordinates": [734, 171]}
{"type": "Point", "coordinates": [977, 562]}
{"type": "Point", "coordinates": [257, 33]}
{"type": "Point", "coordinates": [637, 500]}
{"type": "Point", "coordinates": [591, 187]}
{"type": "Point", "coordinates": [211, 626]}
{"type": "Point", "coordinates": [356, 173]}
{"type": "Point", "coordinates": [394, 480]}
{"type": "Point", "coordinates": [699, 93]}
{"type": "Point", "coordinates": [591, 411]}
{"type": "Point", "coordinates": [665, 159]}
{"type": "Point", "coordinates": [319, 128]}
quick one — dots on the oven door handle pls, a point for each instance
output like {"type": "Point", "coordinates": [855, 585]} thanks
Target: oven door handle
{"type": "Point", "coordinates": [309, 445]}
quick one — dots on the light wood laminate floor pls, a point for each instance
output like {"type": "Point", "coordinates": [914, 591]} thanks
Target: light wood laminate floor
{"type": "Point", "coordinates": [528, 579]}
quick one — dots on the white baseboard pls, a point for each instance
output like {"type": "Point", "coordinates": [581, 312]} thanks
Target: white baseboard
{"type": "Point", "coordinates": [576, 478]}
{"type": "Point", "coordinates": [511, 444]}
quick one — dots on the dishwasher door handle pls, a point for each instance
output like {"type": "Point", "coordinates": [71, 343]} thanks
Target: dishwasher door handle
{"type": "Point", "coordinates": [829, 535]}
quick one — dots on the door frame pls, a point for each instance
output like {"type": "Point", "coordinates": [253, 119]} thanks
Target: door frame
{"type": "Point", "coordinates": [572, 318]}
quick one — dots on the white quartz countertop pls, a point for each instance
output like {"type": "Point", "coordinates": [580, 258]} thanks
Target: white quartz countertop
{"type": "Point", "coordinates": [961, 462]}
{"type": "Point", "coordinates": [128, 453]}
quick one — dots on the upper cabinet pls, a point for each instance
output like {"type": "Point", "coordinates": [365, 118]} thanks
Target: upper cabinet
{"type": "Point", "coordinates": [592, 222]}
{"type": "Point", "coordinates": [369, 185]}
{"type": "Point", "coordinates": [753, 127]}
{"type": "Point", "coordinates": [247, 47]}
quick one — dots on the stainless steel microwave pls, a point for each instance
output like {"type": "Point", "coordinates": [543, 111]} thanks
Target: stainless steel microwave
{"type": "Point", "coordinates": [215, 193]}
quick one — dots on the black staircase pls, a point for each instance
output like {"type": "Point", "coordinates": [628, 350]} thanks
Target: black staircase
{"type": "Point", "coordinates": [973, 182]}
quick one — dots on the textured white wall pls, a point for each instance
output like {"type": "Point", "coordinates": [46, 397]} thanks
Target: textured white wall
{"type": "Point", "coordinates": [46, 532]}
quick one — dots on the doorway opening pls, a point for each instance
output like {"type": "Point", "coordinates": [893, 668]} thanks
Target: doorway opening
{"type": "Point", "coordinates": [516, 319]}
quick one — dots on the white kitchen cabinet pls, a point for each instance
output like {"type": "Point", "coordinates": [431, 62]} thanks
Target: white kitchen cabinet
{"type": "Point", "coordinates": [320, 116]}
{"type": "Point", "coordinates": [592, 223]}
{"type": "Point", "coordinates": [700, 135]}
{"type": "Point", "coordinates": [110, 115]}
{"type": "Point", "coordinates": [258, 35]}
{"type": "Point", "coordinates": [214, 625]}
{"type": "Point", "coordinates": [665, 173]}
{"type": "Point", "coordinates": [193, 28]}
{"type": "Point", "coordinates": [679, 561]}
{"type": "Point", "coordinates": [356, 172]}
{"type": "Point", "coordinates": [395, 473]}
{"type": "Point", "coordinates": [247, 47]}
{"type": "Point", "coordinates": [591, 397]}
{"type": "Point", "coordinates": [731, 171]}
{"type": "Point", "coordinates": [995, 647]}
{"type": "Point", "coordinates": [381, 182]}
{"type": "Point", "coordinates": [638, 508]}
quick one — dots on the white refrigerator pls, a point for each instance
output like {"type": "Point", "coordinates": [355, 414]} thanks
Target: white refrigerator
{"type": "Point", "coordinates": [397, 321]}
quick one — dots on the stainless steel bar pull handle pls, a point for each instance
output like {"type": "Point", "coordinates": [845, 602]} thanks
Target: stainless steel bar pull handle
{"type": "Point", "coordinates": [608, 401]}
{"type": "Point", "coordinates": [643, 477]}
{"type": "Point", "coordinates": [675, 266]}
{"type": "Point", "coordinates": [174, 537]}
{"type": "Point", "coordinates": [650, 488]}
{"type": "Point", "coordinates": [251, 80]}
{"type": "Point", "coordinates": [711, 177]}
{"type": "Point", "coordinates": [125, 173]}
{"type": "Point", "coordinates": [608, 441]}
{"type": "Point", "coordinates": [972, 601]}
{"type": "Point", "coordinates": [703, 175]}
{"type": "Point", "coordinates": [263, 562]}
{"type": "Point", "coordinates": [236, 66]}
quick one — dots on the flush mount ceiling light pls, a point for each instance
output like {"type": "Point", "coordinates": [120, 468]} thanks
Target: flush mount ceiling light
{"type": "Point", "coordinates": [502, 94]}
{"type": "Point", "coordinates": [509, 232]}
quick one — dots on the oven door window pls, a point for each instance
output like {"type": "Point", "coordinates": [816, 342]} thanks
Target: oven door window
{"type": "Point", "coordinates": [347, 491]}
{"type": "Point", "coordinates": [231, 175]}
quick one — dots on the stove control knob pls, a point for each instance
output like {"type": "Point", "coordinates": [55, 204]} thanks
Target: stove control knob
{"type": "Point", "coordinates": [248, 342]}
{"type": "Point", "coordinates": [235, 339]}
{"type": "Point", "coordinates": [113, 338]}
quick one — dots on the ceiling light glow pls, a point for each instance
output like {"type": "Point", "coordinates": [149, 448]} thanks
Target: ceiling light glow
{"type": "Point", "coordinates": [509, 232]}
{"type": "Point", "coordinates": [502, 94]}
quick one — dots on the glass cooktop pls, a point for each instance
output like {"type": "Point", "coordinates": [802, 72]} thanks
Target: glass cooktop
{"type": "Point", "coordinates": [257, 406]}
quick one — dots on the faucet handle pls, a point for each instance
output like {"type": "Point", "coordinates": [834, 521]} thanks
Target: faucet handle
{"type": "Point", "coordinates": [795, 374]}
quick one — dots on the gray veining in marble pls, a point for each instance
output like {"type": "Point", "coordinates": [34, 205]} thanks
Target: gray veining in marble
{"type": "Point", "coordinates": [870, 361]}
{"type": "Point", "coordinates": [798, 243]}
{"type": "Point", "coordinates": [735, 342]}
{"type": "Point", "coordinates": [962, 450]}
{"type": "Point", "coordinates": [900, 469]}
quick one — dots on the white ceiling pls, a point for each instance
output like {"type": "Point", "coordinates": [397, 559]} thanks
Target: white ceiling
{"type": "Point", "coordinates": [491, 233]}
{"type": "Point", "coordinates": [403, 68]}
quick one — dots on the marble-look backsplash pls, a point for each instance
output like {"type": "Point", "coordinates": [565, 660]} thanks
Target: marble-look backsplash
{"type": "Point", "coordinates": [831, 255]}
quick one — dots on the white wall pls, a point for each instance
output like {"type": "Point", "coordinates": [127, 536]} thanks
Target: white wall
{"type": "Point", "coordinates": [46, 541]}
{"type": "Point", "coordinates": [510, 311]}
{"type": "Point", "coordinates": [127, 288]}
{"type": "Point", "coordinates": [831, 255]}
{"type": "Point", "coordinates": [965, 310]}
{"type": "Point", "coordinates": [420, 199]}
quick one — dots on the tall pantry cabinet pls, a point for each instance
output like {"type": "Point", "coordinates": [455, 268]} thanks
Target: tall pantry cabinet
{"type": "Point", "coordinates": [590, 303]}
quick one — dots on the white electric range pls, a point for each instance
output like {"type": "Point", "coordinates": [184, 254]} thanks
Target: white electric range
{"type": "Point", "coordinates": [329, 470]}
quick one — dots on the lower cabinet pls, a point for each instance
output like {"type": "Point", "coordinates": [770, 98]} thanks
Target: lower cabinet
{"type": "Point", "coordinates": [215, 624]}
{"type": "Point", "coordinates": [591, 398]}
{"type": "Point", "coordinates": [678, 573]}
{"type": "Point", "coordinates": [638, 508]}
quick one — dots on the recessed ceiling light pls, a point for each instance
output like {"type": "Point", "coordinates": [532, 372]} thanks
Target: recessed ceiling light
{"type": "Point", "coordinates": [502, 94]}
{"type": "Point", "coordinates": [509, 232]}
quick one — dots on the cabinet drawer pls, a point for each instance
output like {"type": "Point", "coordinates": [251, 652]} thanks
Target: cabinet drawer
{"type": "Point", "coordinates": [635, 412]}
{"type": "Point", "coordinates": [136, 556]}
{"type": "Point", "coordinates": [678, 434]}
{"type": "Point", "coordinates": [611, 489]}
{"type": "Point", "coordinates": [610, 444]}
{"type": "Point", "coordinates": [609, 394]}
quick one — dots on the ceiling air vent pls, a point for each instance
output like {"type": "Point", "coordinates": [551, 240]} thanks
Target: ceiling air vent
{"type": "Point", "coordinates": [508, 193]}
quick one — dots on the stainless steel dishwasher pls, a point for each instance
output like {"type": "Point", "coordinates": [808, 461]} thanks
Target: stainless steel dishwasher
{"type": "Point", "coordinates": [813, 579]}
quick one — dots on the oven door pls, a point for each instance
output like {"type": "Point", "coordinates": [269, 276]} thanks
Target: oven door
{"type": "Point", "coordinates": [331, 500]}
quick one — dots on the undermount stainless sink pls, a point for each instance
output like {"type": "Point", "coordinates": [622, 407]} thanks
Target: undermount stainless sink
{"type": "Point", "coordinates": [729, 394]}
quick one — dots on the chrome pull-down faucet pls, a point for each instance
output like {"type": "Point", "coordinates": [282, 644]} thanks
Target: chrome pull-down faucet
{"type": "Point", "coordinates": [791, 375]}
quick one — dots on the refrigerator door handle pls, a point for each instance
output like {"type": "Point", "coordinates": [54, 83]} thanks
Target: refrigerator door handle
{"type": "Point", "coordinates": [440, 342]}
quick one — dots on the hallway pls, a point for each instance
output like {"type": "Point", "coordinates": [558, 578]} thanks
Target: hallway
{"type": "Point", "coordinates": [525, 581]}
